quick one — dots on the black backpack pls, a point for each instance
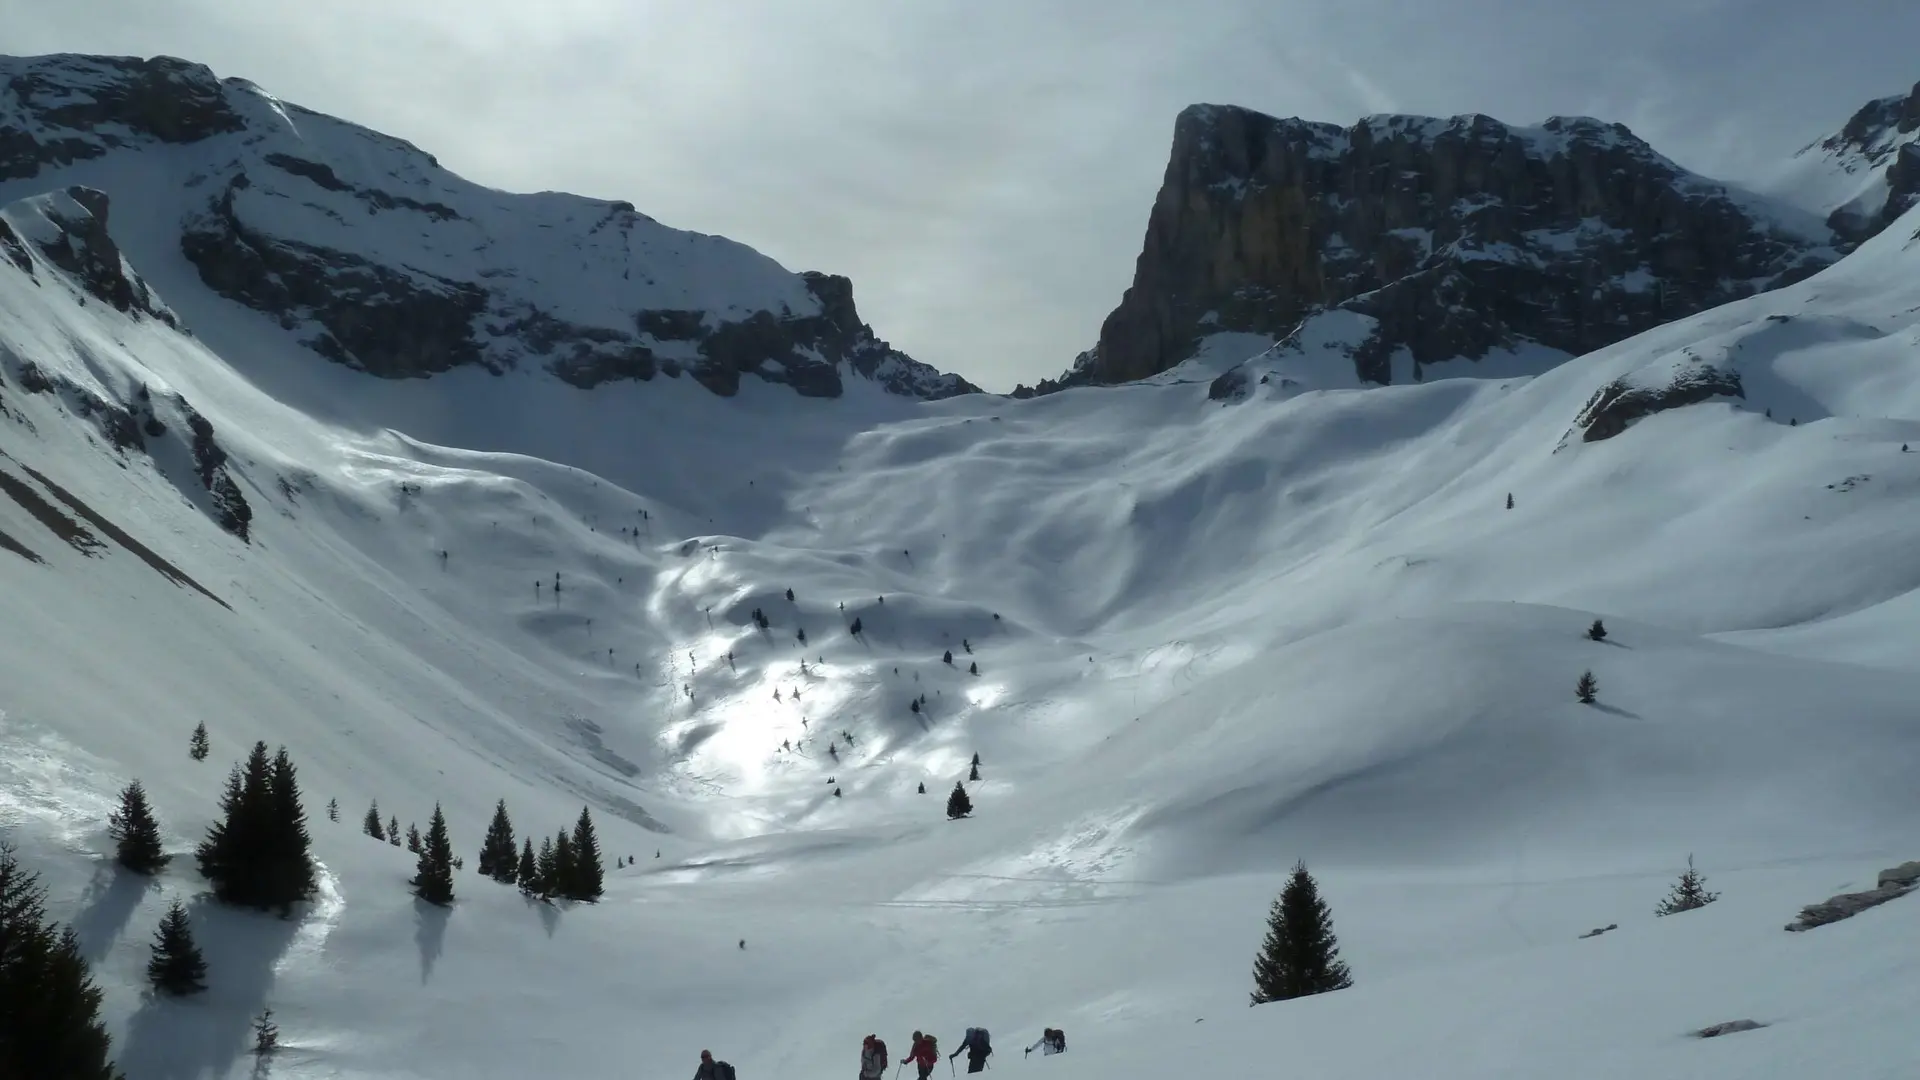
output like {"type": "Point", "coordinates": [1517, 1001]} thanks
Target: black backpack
{"type": "Point", "coordinates": [976, 1043]}
{"type": "Point", "coordinates": [722, 1071]}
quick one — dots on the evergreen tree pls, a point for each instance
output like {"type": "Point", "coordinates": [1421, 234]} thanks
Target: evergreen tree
{"type": "Point", "coordinates": [1509, 500]}
{"type": "Point", "coordinates": [1299, 956]}
{"type": "Point", "coordinates": [135, 834]}
{"type": "Point", "coordinates": [433, 880]}
{"type": "Point", "coordinates": [528, 872]}
{"type": "Point", "coordinates": [371, 823]}
{"type": "Point", "coordinates": [973, 774]}
{"type": "Point", "coordinates": [976, 759]}
{"type": "Point", "coordinates": [947, 657]}
{"type": "Point", "coordinates": [973, 668]}
{"type": "Point", "coordinates": [197, 749]}
{"type": "Point", "coordinates": [563, 866]}
{"type": "Point", "coordinates": [229, 856]}
{"type": "Point", "coordinates": [393, 829]}
{"type": "Point", "coordinates": [291, 847]}
{"type": "Point", "coordinates": [1688, 893]}
{"type": "Point", "coordinates": [1597, 632]}
{"type": "Point", "coordinates": [1587, 688]}
{"type": "Point", "coordinates": [923, 787]}
{"type": "Point", "coordinates": [266, 1033]}
{"type": "Point", "coordinates": [958, 805]}
{"type": "Point", "coordinates": [544, 868]}
{"type": "Point", "coordinates": [589, 877]}
{"type": "Point", "coordinates": [176, 967]}
{"type": "Point", "coordinates": [333, 809]}
{"type": "Point", "coordinates": [789, 596]}
{"type": "Point", "coordinates": [498, 853]}
{"type": "Point", "coordinates": [49, 1007]}
{"type": "Point", "coordinates": [413, 838]}
{"type": "Point", "coordinates": [258, 855]}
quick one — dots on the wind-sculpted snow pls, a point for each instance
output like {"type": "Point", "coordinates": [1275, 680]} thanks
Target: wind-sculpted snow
{"type": "Point", "coordinates": [1194, 637]}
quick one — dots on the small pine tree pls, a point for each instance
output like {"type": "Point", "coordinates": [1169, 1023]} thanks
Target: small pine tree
{"type": "Point", "coordinates": [855, 628]}
{"type": "Point", "coordinates": [789, 596]}
{"type": "Point", "coordinates": [433, 877]}
{"type": "Point", "coordinates": [266, 1033]}
{"type": "Point", "coordinates": [973, 668]}
{"type": "Point", "coordinates": [1688, 893]}
{"type": "Point", "coordinates": [197, 749]}
{"type": "Point", "coordinates": [1597, 632]}
{"type": "Point", "coordinates": [589, 877]}
{"type": "Point", "coordinates": [801, 635]}
{"type": "Point", "coordinates": [923, 787]}
{"type": "Point", "coordinates": [947, 657]}
{"type": "Point", "coordinates": [290, 871]}
{"type": "Point", "coordinates": [836, 793]}
{"type": "Point", "coordinates": [49, 1006]}
{"type": "Point", "coordinates": [973, 774]}
{"type": "Point", "coordinates": [371, 823]}
{"type": "Point", "coordinates": [1587, 688]}
{"type": "Point", "coordinates": [915, 706]}
{"type": "Point", "coordinates": [1509, 500]}
{"type": "Point", "coordinates": [976, 759]}
{"type": "Point", "coordinates": [393, 830]}
{"type": "Point", "coordinates": [333, 809]}
{"type": "Point", "coordinates": [498, 851]}
{"type": "Point", "coordinates": [528, 872]}
{"type": "Point", "coordinates": [176, 967]}
{"type": "Point", "coordinates": [135, 834]}
{"type": "Point", "coordinates": [958, 805]}
{"type": "Point", "coordinates": [1299, 955]}
{"type": "Point", "coordinates": [413, 838]}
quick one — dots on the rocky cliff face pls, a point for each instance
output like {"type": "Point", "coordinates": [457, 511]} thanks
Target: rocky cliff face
{"type": "Point", "coordinates": [1451, 237]}
{"type": "Point", "coordinates": [379, 259]}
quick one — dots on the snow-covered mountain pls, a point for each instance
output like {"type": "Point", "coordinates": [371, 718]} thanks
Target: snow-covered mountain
{"type": "Point", "coordinates": [1423, 241]}
{"type": "Point", "coordinates": [1863, 177]}
{"type": "Point", "coordinates": [368, 252]}
{"type": "Point", "coordinates": [1196, 633]}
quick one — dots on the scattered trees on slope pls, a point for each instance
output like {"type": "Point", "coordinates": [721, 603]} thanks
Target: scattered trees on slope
{"type": "Point", "coordinates": [1597, 632]}
{"type": "Point", "coordinates": [497, 852]}
{"type": "Point", "coordinates": [958, 804]}
{"type": "Point", "coordinates": [433, 876]}
{"type": "Point", "coordinates": [49, 1006]}
{"type": "Point", "coordinates": [197, 749]}
{"type": "Point", "coordinates": [1587, 688]}
{"type": "Point", "coordinates": [1299, 955]}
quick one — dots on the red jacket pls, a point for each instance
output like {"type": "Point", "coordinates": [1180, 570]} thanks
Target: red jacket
{"type": "Point", "coordinates": [923, 1053]}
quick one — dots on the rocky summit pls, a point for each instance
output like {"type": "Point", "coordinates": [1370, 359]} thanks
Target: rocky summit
{"type": "Point", "coordinates": [377, 258]}
{"type": "Point", "coordinates": [1448, 238]}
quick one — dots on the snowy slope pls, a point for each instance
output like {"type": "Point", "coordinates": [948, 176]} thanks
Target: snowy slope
{"type": "Point", "coordinates": [1213, 636]}
{"type": "Point", "coordinates": [1862, 177]}
{"type": "Point", "coordinates": [364, 251]}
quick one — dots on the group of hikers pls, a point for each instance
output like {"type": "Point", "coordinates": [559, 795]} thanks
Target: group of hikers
{"type": "Point", "coordinates": [924, 1055]}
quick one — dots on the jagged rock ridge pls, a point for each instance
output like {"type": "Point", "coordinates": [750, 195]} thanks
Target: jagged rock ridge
{"type": "Point", "coordinates": [379, 259]}
{"type": "Point", "coordinates": [1453, 237]}
{"type": "Point", "coordinates": [1865, 175]}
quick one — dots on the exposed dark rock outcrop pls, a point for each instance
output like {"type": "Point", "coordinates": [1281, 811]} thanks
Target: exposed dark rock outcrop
{"type": "Point", "coordinates": [1620, 402]}
{"type": "Point", "coordinates": [85, 106]}
{"type": "Point", "coordinates": [75, 239]}
{"type": "Point", "coordinates": [1457, 235]}
{"type": "Point", "coordinates": [1893, 884]}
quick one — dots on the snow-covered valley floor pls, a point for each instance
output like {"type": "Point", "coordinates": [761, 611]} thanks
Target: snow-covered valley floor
{"type": "Point", "coordinates": [1211, 638]}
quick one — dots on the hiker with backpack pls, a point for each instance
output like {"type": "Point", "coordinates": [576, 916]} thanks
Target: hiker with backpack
{"type": "Point", "coordinates": [873, 1058]}
{"type": "Point", "coordinates": [977, 1047]}
{"type": "Point", "coordinates": [711, 1069]}
{"type": "Point", "coordinates": [1052, 1041]}
{"type": "Point", "coordinates": [924, 1054]}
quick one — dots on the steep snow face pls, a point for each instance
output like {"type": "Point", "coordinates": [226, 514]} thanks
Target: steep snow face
{"type": "Point", "coordinates": [1862, 177]}
{"type": "Point", "coordinates": [1191, 640]}
{"type": "Point", "coordinates": [372, 255]}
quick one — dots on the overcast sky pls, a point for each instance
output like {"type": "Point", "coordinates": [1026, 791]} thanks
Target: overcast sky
{"type": "Point", "coordinates": [982, 169]}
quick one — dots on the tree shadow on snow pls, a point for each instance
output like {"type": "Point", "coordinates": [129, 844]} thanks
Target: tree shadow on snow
{"type": "Point", "coordinates": [549, 913]}
{"type": "Point", "coordinates": [186, 1038]}
{"type": "Point", "coordinates": [430, 933]}
{"type": "Point", "coordinates": [1615, 710]}
{"type": "Point", "coordinates": [111, 899]}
